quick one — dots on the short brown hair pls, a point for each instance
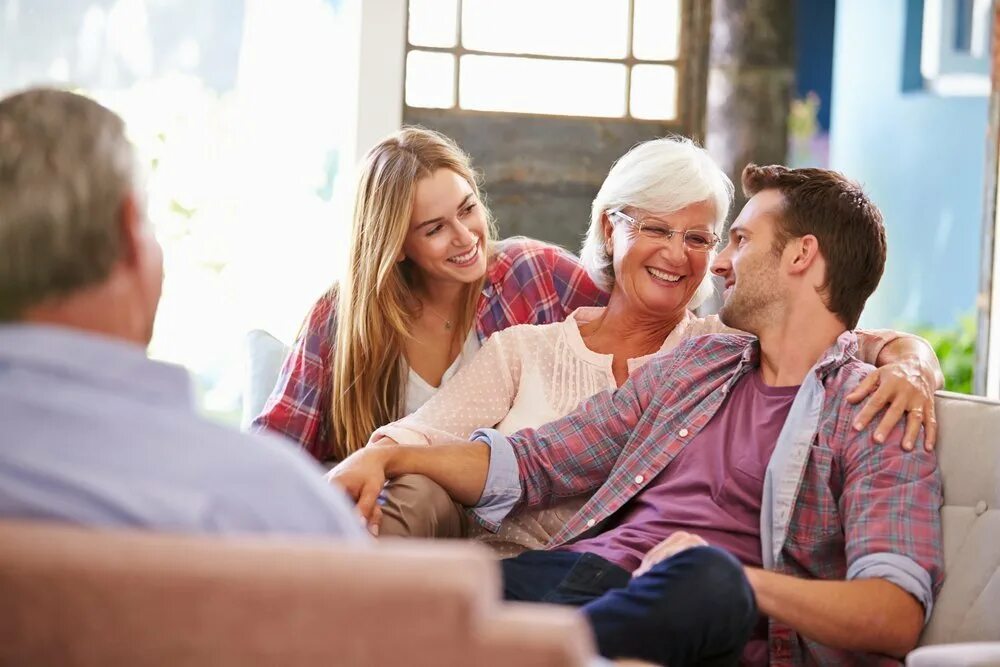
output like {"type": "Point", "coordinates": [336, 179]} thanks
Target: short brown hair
{"type": "Point", "coordinates": [843, 219]}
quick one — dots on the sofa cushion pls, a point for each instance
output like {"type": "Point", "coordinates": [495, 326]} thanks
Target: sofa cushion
{"type": "Point", "coordinates": [265, 354]}
{"type": "Point", "coordinates": [969, 455]}
{"type": "Point", "coordinates": [72, 596]}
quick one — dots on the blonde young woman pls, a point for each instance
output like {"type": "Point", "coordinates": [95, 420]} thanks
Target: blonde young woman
{"type": "Point", "coordinates": [654, 229]}
{"type": "Point", "coordinates": [425, 285]}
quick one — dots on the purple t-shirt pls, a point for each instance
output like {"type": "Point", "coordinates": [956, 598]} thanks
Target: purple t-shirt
{"type": "Point", "coordinates": [712, 488]}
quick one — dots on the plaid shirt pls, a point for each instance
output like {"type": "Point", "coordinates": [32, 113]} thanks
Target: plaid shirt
{"type": "Point", "coordinates": [836, 505]}
{"type": "Point", "coordinates": [527, 282]}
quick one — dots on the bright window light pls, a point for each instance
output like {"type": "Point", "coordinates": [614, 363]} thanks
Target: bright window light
{"type": "Point", "coordinates": [530, 85]}
{"type": "Point", "coordinates": [430, 79]}
{"type": "Point", "coordinates": [574, 28]}
{"type": "Point", "coordinates": [242, 128]}
{"type": "Point", "coordinates": [433, 23]}
{"type": "Point", "coordinates": [552, 57]}
{"type": "Point", "coordinates": [654, 92]}
{"type": "Point", "coordinates": [656, 33]}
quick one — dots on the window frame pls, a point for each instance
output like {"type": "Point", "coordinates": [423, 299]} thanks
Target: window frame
{"type": "Point", "coordinates": [945, 69]}
{"type": "Point", "coordinates": [685, 113]}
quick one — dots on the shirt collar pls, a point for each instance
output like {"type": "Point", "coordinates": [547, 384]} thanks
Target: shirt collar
{"type": "Point", "coordinates": [842, 350]}
{"type": "Point", "coordinates": [82, 356]}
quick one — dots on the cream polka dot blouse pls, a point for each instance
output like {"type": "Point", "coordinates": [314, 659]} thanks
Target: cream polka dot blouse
{"type": "Point", "coordinates": [523, 377]}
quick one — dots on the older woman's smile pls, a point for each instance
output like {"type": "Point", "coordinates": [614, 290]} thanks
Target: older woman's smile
{"type": "Point", "coordinates": [661, 275]}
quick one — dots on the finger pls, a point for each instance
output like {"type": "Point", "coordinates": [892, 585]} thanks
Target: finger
{"type": "Point", "coordinates": [655, 555]}
{"type": "Point", "coordinates": [871, 408]}
{"type": "Point", "coordinates": [893, 415]}
{"type": "Point", "coordinates": [367, 499]}
{"type": "Point", "coordinates": [914, 420]}
{"type": "Point", "coordinates": [375, 521]}
{"type": "Point", "coordinates": [648, 561]}
{"type": "Point", "coordinates": [865, 387]}
{"type": "Point", "coordinates": [930, 427]}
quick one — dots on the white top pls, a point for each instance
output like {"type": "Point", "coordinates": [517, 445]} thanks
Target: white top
{"type": "Point", "coordinates": [419, 390]}
{"type": "Point", "coordinates": [523, 377]}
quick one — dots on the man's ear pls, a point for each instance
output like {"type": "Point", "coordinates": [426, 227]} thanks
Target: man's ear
{"type": "Point", "coordinates": [131, 225]}
{"type": "Point", "coordinates": [804, 253]}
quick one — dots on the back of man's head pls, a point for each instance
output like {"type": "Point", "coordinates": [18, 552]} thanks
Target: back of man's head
{"type": "Point", "coordinates": [67, 177]}
{"type": "Point", "coordinates": [845, 222]}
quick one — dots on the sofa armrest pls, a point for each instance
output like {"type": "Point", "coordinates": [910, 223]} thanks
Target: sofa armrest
{"type": "Point", "coordinates": [974, 654]}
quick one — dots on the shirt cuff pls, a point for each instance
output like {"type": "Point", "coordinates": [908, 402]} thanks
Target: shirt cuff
{"type": "Point", "coordinates": [503, 483]}
{"type": "Point", "coordinates": [900, 570]}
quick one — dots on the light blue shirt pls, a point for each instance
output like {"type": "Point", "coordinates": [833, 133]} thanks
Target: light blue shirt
{"type": "Point", "coordinates": [93, 432]}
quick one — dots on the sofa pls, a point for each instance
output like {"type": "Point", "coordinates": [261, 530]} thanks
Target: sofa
{"type": "Point", "coordinates": [76, 597]}
{"type": "Point", "coordinates": [70, 596]}
{"type": "Point", "coordinates": [967, 611]}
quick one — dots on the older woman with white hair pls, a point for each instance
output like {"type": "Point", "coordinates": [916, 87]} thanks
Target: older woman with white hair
{"type": "Point", "coordinates": [654, 229]}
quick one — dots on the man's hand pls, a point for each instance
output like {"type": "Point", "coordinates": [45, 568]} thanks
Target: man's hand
{"type": "Point", "coordinates": [362, 475]}
{"type": "Point", "coordinates": [905, 386]}
{"type": "Point", "coordinates": [673, 545]}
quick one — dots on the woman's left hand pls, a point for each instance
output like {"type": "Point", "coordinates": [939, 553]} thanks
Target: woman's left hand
{"type": "Point", "coordinates": [905, 386]}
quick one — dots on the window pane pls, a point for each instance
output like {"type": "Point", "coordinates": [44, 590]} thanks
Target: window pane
{"type": "Point", "coordinates": [656, 32]}
{"type": "Point", "coordinates": [433, 22]}
{"type": "Point", "coordinates": [430, 79]}
{"type": "Point", "coordinates": [572, 88]}
{"type": "Point", "coordinates": [579, 28]}
{"type": "Point", "coordinates": [654, 92]}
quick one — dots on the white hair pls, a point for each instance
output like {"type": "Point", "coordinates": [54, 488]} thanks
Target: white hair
{"type": "Point", "coordinates": [662, 175]}
{"type": "Point", "coordinates": [65, 168]}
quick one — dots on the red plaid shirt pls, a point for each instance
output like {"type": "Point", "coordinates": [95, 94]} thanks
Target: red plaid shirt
{"type": "Point", "coordinates": [528, 282]}
{"type": "Point", "coordinates": [851, 508]}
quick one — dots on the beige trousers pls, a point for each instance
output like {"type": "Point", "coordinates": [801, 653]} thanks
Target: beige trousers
{"type": "Point", "coordinates": [416, 506]}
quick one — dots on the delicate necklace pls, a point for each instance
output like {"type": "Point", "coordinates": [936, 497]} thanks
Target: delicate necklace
{"type": "Point", "coordinates": [447, 322]}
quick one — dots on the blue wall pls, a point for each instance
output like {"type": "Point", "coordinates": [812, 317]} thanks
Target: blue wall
{"type": "Point", "coordinates": [921, 159]}
{"type": "Point", "coordinates": [814, 30]}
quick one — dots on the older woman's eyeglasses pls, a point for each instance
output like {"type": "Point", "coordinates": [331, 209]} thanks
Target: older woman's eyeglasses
{"type": "Point", "coordinates": [697, 240]}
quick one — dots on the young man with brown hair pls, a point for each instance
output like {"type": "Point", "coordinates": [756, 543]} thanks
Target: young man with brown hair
{"type": "Point", "coordinates": [730, 474]}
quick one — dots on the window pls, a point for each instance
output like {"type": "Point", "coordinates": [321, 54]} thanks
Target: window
{"type": "Point", "coordinates": [591, 58]}
{"type": "Point", "coordinates": [240, 119]}
{"type": "Point", "coordinates": [954, 50]}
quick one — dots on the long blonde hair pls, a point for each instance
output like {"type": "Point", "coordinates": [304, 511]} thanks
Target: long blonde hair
{"type": "Point", "coordinates": [375, 305]}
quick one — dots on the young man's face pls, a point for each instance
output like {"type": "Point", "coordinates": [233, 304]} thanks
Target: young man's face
{"type": "Point", "coordinates": [751, 266]}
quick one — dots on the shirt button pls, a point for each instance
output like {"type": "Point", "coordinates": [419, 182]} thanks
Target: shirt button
{"type": "Point", "coordinates": [683, 433]}
{"type": "Point", "coordinates": [981, 507]}
{"type": "Point", "coordinates": [638, 479]}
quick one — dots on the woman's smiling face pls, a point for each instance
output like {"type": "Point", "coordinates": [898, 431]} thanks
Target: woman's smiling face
{"type": "Point", "coordinates": [660, 276]}
{"type": "Point", "coordinates": [447, 237]}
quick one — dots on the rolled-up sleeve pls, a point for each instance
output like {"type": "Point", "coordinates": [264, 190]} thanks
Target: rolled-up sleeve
{"type": "Point", "coordinates": [503, 486]}
{"type": "Point", "coordinates": [891, 508]}
{"type": "Point", "coordinates": [900, 570]}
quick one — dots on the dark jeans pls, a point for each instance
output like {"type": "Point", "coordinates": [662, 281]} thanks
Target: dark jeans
{"type": "Point", "coordinates": [696, 608]}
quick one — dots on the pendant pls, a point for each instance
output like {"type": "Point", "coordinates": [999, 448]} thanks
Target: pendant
{"type": "Point", "coordinates": [447, 325]}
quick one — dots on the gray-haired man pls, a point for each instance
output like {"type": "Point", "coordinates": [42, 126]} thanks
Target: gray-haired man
{"type": "Point", "coordinates": [94, 432]}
